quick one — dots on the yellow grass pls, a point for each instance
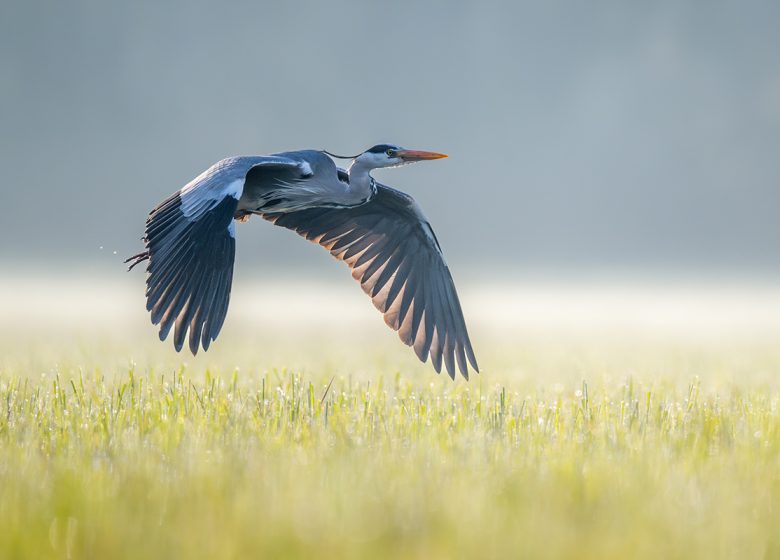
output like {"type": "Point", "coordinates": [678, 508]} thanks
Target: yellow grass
{"type": "Point", "coordinates": [628, 427]}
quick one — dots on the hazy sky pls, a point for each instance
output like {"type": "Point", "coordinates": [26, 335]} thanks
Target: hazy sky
{"type": "Point", "coordinates": [581, 134]}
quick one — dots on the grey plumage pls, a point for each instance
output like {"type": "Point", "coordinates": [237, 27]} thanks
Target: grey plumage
{"type": "Point", "coordinates": [379, 232]}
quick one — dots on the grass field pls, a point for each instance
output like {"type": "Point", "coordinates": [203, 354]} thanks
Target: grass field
{"type": "Point", "coordinates": [574, 441]}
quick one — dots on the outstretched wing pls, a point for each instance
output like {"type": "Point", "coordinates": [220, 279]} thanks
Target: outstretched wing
{"type": "Point", "coordinates": [190, 247]}
{"type": "Point", "coordinates": [393, 253]}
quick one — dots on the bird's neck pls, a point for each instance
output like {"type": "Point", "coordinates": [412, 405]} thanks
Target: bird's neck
{"type": "Point", "coordinates": [361, 184]}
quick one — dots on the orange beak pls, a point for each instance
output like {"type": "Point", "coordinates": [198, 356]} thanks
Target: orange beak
{"type": "Point", "coordinates": [418, 155]}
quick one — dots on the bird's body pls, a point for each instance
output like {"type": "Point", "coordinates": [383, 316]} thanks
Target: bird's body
{"type": "Point", "coordinates": [381, 233]}
{"type": "Point", "coordinates": [306, 179]}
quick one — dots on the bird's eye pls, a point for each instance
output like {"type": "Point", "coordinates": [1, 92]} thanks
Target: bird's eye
{"type": "Point", "coordinates": [390, 153]}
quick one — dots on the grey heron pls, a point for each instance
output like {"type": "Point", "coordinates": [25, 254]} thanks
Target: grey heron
{"type": "Point", "coordinates": [379, 232]}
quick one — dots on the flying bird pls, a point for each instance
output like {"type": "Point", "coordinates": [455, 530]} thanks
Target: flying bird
{"type": "Point", "coordinates": [379, 232]}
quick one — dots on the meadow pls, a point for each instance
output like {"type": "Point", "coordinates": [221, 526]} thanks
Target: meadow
{"type": "Point", "coordinates": [645, 435]}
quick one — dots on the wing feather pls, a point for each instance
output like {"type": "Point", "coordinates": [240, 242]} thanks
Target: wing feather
{"type": "Point", "coordinates": [394, 255]}
{"type": "Point", "coordinates": [190, 247]}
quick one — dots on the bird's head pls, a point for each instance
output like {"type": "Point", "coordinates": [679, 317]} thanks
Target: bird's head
{"type": "Point", "coordinates": [388, 155]}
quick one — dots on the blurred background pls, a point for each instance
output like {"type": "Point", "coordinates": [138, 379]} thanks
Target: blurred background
{"type": "Point", "coordinates": [610, 142]}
